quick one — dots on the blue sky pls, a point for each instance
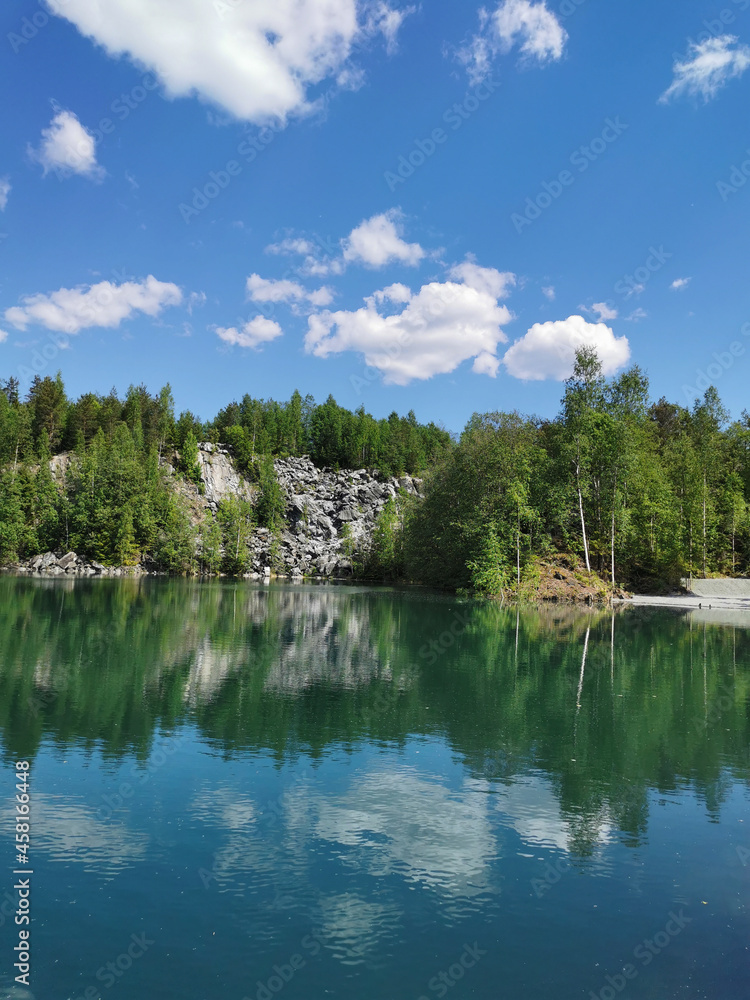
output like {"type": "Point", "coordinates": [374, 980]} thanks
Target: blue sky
{"type": "Point", "coordinates": [418, 207]}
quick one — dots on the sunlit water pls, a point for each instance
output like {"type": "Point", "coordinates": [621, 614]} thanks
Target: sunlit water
{"type": "Point", "coordinates": [321, 792]}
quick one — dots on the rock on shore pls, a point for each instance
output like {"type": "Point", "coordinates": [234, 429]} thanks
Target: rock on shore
{"type": "Point", "coordinates": [70, 564]}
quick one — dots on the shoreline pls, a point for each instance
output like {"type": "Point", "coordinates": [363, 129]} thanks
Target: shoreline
{"type": "Point", "coordinates": [686, 602]}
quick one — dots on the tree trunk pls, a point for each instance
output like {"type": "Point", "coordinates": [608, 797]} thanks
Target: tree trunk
{"type": "Point", "coordinates": [612, 537]}
{"type": "Point", "coordinates": [704, 525]}
{"type": "Point", "coordinates": [518, 550]}
{"type": "Point", "coordinates": [583, 529]}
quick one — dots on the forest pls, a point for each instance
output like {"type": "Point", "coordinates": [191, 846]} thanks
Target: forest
{"type": "Point", "coordinates": [639, 492]}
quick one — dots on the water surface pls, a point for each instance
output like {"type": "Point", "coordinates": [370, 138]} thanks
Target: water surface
{"type": "Point", "coordinates": [346, 792]}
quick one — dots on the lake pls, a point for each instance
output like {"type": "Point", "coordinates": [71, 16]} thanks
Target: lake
{"type": "Point", "coordinates": [243, 791]}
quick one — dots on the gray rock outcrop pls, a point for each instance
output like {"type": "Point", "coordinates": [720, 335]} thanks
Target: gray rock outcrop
{"type": "Point", "coordinates": [328, 516]}
{"type": "Point", "coordinates": [220, 478]}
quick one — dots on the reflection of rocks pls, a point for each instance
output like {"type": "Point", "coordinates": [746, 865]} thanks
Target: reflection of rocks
{"type": "Point", "coordinates": [208, 671]}
{"type": "Point", "coordinates": [324, 642]}
{"type": "Point", "coordinates": [318, 638]}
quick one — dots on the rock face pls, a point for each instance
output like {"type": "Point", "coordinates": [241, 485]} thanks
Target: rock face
{"type": "Point", "coordinates": [326, 513]}
{"type": "Point", "coordinates": [220, 478]}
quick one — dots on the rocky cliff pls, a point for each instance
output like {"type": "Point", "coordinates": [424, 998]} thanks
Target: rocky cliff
{"type": "Point", "coordinates": [326, 511]}
{"type": "Point", "coordinates": [327, 514]}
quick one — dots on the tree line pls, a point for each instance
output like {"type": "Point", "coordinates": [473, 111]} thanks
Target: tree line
{"type": "Point", "coordinates": [644, 493]}
{"type": "Point", "coordinates": [111, 498]}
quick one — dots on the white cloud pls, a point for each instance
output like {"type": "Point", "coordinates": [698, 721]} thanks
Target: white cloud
{"type": "Point", "coordinates": [432, 333]}
{"type": "Point", "coordinates": [68, 148]}
{"type": "Point", "coordinates": [377, 241]}
{"type": "Point", "coordinates": [636, 315]}
{"type": "Point", "coordinates": [3, 335]}
{"type": "Point", "coordinates": [548, 349]}
{"type": "Point", "coordinates": [195, 300]}
{"type": "Point", "coordinates": [484, 279]}
{"type": "Point", "coordinates": [707, 68]}
{"type": "Point", "coordinates": [549, 293]}
{"type": "Point", "coordinates": [105, 304]}
{"type": "Point", "coordinates": [384, 20]}
{"type": "Point", "coordinates": [291, 245]}
{"type": "Point", "coordinates": [255, 332]}
{"type": "Point", "coordinates": [680, 284]}
{"type": "Point", "coordinates": [531, 26]}
{"type": "Point", "coordinates": [269, 290]}
{"type": "Point", "coordinates": [4, 192]}
{"type": "Point", "coordinates": [254, 60]}
{"type": "Point", "coordinates": [603, 311]}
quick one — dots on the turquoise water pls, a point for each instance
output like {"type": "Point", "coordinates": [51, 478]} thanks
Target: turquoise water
{"type": "Point", "coordinates": [317, 792]}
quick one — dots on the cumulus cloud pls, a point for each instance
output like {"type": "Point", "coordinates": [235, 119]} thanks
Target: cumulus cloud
{"type": "Point", "coordinates": [549, 293]}
{"type": "Point", "coordinates": [105, 304]}
{"type": "Point", "coordinates": [3, 335]}
{"type": "Point", "coordinates": [680, 284]}
{"type": "Point", "coordinates": [254, 333]}
{"type": "Point", "coordinates": [68, 148]}
{"type": "Point", "coordinates": [708, 67]}
{"type": "Point", "coordinates": [4, 192]}
{"type": "Point", "coordinates": [253, 60]}
{"type": "Point", "coordinates": [484, 279]}
{"type": "Point", "coordinates": [547, 351]}
{"type": "Point", "coordinates": [603, 311]}
{"type": "Point", "coordinates": [410, 336]}
{"type": "Point", "coordinates": [533, 27]}
{"type": "Point", "coordinates": [378, 241]}
{"type": "Point", "coordinates": [269, 290]}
